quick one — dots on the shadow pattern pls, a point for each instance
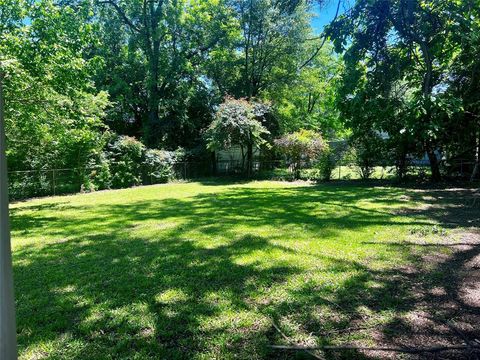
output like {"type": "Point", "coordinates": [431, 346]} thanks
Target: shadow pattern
{"type": "Point", "coordinates": [103, 290]}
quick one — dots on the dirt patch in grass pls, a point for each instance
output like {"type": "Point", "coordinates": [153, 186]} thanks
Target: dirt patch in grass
{"type": "Point", "coordinates": [438, 294]}
{"type": "Point", "coordinates": [443, 292]}
{"type": "Point", "coordinates": [455, 207]}
{"type": "Point", "coordinates": [447, 307]}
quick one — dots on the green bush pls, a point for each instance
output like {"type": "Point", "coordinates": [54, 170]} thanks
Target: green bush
{"type": "Point", "coordinates": [158, 165]}
{"type": "Point", "coordinates": [99, 174]}
{"type": "Point", "coordinates": [276, 173]}
{"type": "Point", "coordinates": [328, 160]}
{"type": "Point", "coordinates": [125, 155]}
{"type": "Point", "coordinates": [300, 147]}
{"type": "Point", "coordinates": [126, 162]}
{"type": "Point", "coordinates": [326, 163]}
{"type": "Point", "coordinates": [313, 174]}
{"type": "Point", "coordinates": [29, 184]}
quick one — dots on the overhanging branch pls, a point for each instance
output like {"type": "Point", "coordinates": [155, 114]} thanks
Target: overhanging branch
{"type": "Point", "coordinates": [317, 50]}
{"type": "Point", "coordinates": [122, 14]}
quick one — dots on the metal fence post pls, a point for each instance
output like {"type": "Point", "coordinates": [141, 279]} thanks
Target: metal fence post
{"type": "Point", "coordinates": [8, 334]}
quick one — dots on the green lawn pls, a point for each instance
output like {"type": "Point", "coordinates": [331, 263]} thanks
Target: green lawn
{"type": "Point", "coordinates": [201, 271]}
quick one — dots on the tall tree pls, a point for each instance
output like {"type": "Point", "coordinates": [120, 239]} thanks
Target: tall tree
{"type": "Point", "coordinates": [389, 43]}
{"type": "Point", "coordinates": [308, 101]}
{"type": "Point", "coordinates": [174, 36]}
{"type": "Point", "coordinates": [267, 49]}
{"type": "Point", "coordinates": [238, 123]}
{"type": "Point", "coordinates": [462, 85]}
{"type": "Point", "coordinates": [53, 114]}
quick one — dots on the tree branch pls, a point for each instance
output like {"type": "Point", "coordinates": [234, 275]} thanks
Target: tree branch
{"type": "Point", "coordinates": [122, 14]}
{"type": "Point", "coordinates": [287, 339]}
{"type": "Point", "coordinates": [432, 349]}
{"type": "Point", "coordinates": [317, 50]}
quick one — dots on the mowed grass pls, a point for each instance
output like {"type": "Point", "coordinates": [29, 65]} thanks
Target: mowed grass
{"type": "Point", "coordinates": [202, 271]}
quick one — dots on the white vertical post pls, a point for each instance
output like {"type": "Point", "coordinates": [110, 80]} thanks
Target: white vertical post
{"type": "Point", "coordinates": [8, 336]}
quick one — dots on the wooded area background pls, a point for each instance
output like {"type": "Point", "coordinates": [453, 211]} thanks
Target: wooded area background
{"type": "Point", "coordinates": [119, 85]}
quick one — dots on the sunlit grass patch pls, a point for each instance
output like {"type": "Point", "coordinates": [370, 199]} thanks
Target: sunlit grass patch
{"type": "Point", "coordinates": [203, 270]}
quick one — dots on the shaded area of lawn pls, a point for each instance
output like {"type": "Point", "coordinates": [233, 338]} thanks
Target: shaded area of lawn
{"type": "Point", "coordinates": [204, 274]}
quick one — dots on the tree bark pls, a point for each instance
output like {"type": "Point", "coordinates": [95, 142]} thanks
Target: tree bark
{"type": "Point", "coordinates": [214, 163]}
{"type": "Point", "coordinates": [153, 102]}
{"type": "Point", "coordinates": [402, 165]}
{"type": "Point", "coordinates": [434, 165]}
{"type": "Point", "coordinates": [401, 161]}
{"type": "Point", "coordinates": [247, 35]}
{"type": "Point", "coordinates": [148, 30]}
{"type": "Point", "coordinates": [8, 340]}
{"type": "Point", "coordinates": [152, 43]}
{"type": "Point", "coordinates": [427, 88]}
{"type": "Point", "coordinates": [476, 168]}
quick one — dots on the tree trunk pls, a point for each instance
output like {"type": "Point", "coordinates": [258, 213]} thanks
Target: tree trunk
{"type": "Point", "coordinates": [427, 89]}
{"type": "Point", "coordinates": [8, 341]}
{"type": "Point", "coordinates": [249, 159]}
{"type": "Point", "coordinates": [401, 167]}
{"type": "Point", "coordinates": [476, 168]}
{"type": "Point", "coordinates": [297, 172]}
{"type": "Point", "coordinates": [153, 117]}
{"type": "Point", "coordinates": [434, 166]}
{"type": "Point", "coordinates": [402, 163]}
{"type": "Point", "coordinates": [214, 163]}
{"type": "Point", "coordinates": [152, 131]}
{"type": "Point", "coordinates": [148, 30]}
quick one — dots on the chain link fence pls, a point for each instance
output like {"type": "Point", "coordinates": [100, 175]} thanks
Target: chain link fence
{"type": "Point", "coordinates": [33, 183]}
{"type": "Point", "coordinates": [37, 183]}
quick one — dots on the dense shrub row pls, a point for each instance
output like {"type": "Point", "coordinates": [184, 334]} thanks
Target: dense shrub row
{"type": "Point", "coordinates": [123, 162]}
{"type": "Point", "coordinates": [126, 162]}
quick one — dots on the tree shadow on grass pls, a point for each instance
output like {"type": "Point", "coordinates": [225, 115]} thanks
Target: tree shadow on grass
{"type": "Point", "coordinates": [434, 301]}
{"type": "Point", "coordinates": [455, 207]}
{"type": "Point", "coordinates": [421, 306]}
{"type": "Point", "coordinates": [104, 290]}
{"type": "Point", "coordinates": [131, 295]}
